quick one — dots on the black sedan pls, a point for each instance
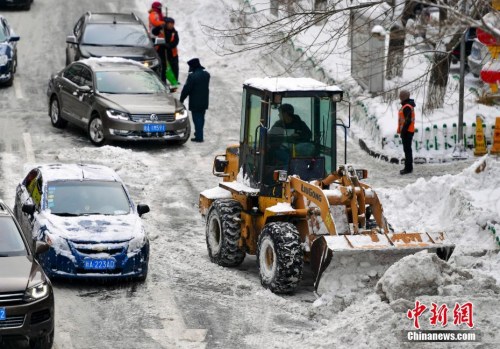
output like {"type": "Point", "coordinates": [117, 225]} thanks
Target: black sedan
{"type": "Point", "coordinates": [22, 4]}
{"type": "Point", "coordinates": [116, 99]}
{"type": "Point", "coordinates": [8, 52]}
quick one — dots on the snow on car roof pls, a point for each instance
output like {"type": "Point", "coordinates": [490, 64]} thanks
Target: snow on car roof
{"type": "Point", "coordinates": [290, 84]}
{"type": "Point", "coordinates": [55, 172]}
{"type": "Point", "coordinates": [110, 61]}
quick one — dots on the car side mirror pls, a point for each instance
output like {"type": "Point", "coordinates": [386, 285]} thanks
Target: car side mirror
{"type": "Point", "coordinates": [41, 247]}
{"type": "Point", "coordinates": [14, 38]}
{"type": "Point", "coordinates": [142, 209]}
{"type": "Point", "coordinates": [159, 41]}
{"type": "Point", "coordinates": [71, 39]}
{"type": "Point", "coordinates": [29, 209]}
{"type": "Point", "coordinates": [84, 89]}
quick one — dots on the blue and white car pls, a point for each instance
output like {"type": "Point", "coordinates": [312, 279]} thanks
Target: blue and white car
{"type": "Point", "coordinates": [8, 52]}
{"type": "Point", "coordinates": [85, 214]}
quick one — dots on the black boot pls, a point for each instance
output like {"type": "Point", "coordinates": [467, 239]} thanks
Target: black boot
{"type": "Point", "coordinates": [405, 171]}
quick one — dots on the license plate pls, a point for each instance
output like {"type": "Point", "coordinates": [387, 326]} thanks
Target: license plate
{"type": "Point", "coordinates": [3, 316]}
{"type": "Point", "coordinates": [99, 264]}
{"type": "Point", "coordinates": [154, 128]}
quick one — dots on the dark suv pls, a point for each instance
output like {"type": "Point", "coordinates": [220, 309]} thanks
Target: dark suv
{"type": "Point", "coordinates": [26, 297]}
{"type": "Point", "coordinates": [111, 35]}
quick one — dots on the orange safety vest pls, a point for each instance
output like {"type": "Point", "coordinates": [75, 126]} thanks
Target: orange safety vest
{"type": "Point", "coordinates": [174, 50]}
{"type": "Point", "coordinates": [155, 21]}
{"type": "Point", "coordinates": [401, 120]}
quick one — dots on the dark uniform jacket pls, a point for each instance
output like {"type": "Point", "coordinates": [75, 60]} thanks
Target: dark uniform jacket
{"type": "Point", "coordinates": [196, 88]}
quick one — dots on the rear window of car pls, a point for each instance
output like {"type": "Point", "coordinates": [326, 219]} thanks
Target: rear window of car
{"type": "Point", "coordinates": [82, 198]}
{"type": "Point", "coordinates": [11, 243]}
{"type": "Point", "coordinates": [128, 82]}
{"type": "Point", "coordinates": [126, 35]}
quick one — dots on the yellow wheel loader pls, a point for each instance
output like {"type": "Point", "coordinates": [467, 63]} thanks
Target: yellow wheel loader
{"type": "Point", "coordinates": [284, 200]}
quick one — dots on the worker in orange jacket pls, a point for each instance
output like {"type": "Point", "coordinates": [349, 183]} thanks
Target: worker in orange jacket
{"type": "Point", "coordinates": [406, 128]}
{"type": "Point", "coordinates": [156, 29]}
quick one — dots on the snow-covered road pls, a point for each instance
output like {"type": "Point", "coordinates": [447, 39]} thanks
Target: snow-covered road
{"type": "Point", "coordinates": [186, 302]}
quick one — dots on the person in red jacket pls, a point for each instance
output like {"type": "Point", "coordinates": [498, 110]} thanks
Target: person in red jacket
{"type": "Point", "coordinates": [156, 29]}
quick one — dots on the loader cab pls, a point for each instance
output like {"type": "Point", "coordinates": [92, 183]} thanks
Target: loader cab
{"type": "Point", "coordinates": [287, 124]}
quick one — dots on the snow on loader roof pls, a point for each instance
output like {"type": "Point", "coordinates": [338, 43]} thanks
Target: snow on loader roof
{"type": "Point", "coordinates": [290, 84]}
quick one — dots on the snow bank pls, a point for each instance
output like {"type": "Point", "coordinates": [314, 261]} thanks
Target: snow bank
{"type": "Point", "coordinates": [460, 205]}
{"type": "Point", "coordinates": [416, 275]}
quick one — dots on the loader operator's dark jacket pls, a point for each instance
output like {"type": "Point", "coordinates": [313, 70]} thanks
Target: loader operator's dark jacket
{"type": "Point", "coordinates": [303, 132]}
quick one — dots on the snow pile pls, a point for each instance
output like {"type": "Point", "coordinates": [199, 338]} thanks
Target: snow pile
{"type": "Point", "coordinates": [461, 205]}
{"type": "Point", "coordinates": [416, 275]}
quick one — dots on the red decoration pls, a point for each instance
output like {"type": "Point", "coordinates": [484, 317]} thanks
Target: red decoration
{"type": "Point", "coordinates": [490, 73]}
{"type": "Point", "coordinates": [486, 38]}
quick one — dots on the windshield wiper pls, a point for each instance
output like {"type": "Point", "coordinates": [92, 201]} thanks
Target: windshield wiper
{"type": "Point", "coordinates": [65, 214]}
{"type": "Point", "coordinates": [4, 255]}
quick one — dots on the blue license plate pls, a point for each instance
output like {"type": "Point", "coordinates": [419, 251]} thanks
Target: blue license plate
{"type": "Point", "coordinates": [3, 316]}
{"type": "Point", "coordinates": [99, 264]}
{"type": "Point", "coordinates": [154, 128]}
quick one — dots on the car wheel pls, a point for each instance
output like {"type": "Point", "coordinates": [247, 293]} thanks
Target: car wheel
{"type": "Point", "coordinates": [14, 65]}
{"type": "Point", "coordinates": [96, 131]}
{"type": "Point", "coordinates": [143, 276]}
{"type": "Point", "coordinates": [44, 342]}
{"type": "Point", "coordinates": [27, 7]}
{"type": "Point", "coordinates": [68, 61]}
{"type": "Point", "coordinates": [10, 82]}
{"type": "Point", "coordinates": [55, 114]}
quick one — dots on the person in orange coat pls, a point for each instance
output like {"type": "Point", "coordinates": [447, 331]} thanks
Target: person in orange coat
{"type": "Point", "coordinates": [156, 29]}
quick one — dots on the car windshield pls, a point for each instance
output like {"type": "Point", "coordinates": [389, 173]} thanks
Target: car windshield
{"type": "Point", "coordinates": [80, 198]}
{"type": "Point", "coordinates": [116, 35]}
{"type": "Point", "coordinates": [129, 82]}
{"type": "Point", "coordinates": [3, 34]}
{"type": "Point", "coordinates": [11, 243]}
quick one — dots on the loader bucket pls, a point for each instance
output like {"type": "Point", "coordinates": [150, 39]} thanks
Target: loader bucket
{"type": "Point", "coordinates": [349, 262]}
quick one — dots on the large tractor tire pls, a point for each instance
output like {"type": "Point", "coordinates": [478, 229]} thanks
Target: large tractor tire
{"type": "Point", "coordinates": [280, 257]}
{"type": "Point", "coordinates": [223, 232]}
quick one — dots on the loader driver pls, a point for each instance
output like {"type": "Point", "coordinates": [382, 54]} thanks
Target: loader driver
{"type": "Point", "coordinates": [290, 121]}
{"type": "Point", "coordinates": [289, 137]}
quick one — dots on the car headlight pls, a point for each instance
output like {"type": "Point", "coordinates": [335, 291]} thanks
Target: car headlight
{"type": "Point", "coordinates": [4, 59]}
{"type": "Point", "coordinates": [151, 63]}
{"type": "Point", "coordinates": [181, 114]}
{"type": "Point", "coordinates": [57, 243]}
{"type": "Point", "coordinates": [137, 243]}
{"type": "Point", "coordinates": [36, 292]}
{"type": "Point", "coordinates": [117, 115]}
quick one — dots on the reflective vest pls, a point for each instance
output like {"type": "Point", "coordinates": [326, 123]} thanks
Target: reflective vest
{"type": "Point", "coordinates": [155, 21]}
{"type": "Point", "coordinates": [174, 50]}
{"type": "Point", "coordinates": [401, 120]}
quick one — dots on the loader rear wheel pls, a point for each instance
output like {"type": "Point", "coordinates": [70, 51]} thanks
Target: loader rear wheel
{"type": "Point", "coordinates": [223, 232]}
{"type": "Point", "coordinates": [280, 257]}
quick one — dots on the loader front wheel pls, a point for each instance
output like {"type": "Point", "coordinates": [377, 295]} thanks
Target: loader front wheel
{"type": "Point", "coordinates": [280, 257]}
{"type": "Point", "coordinates": [223, 232]}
